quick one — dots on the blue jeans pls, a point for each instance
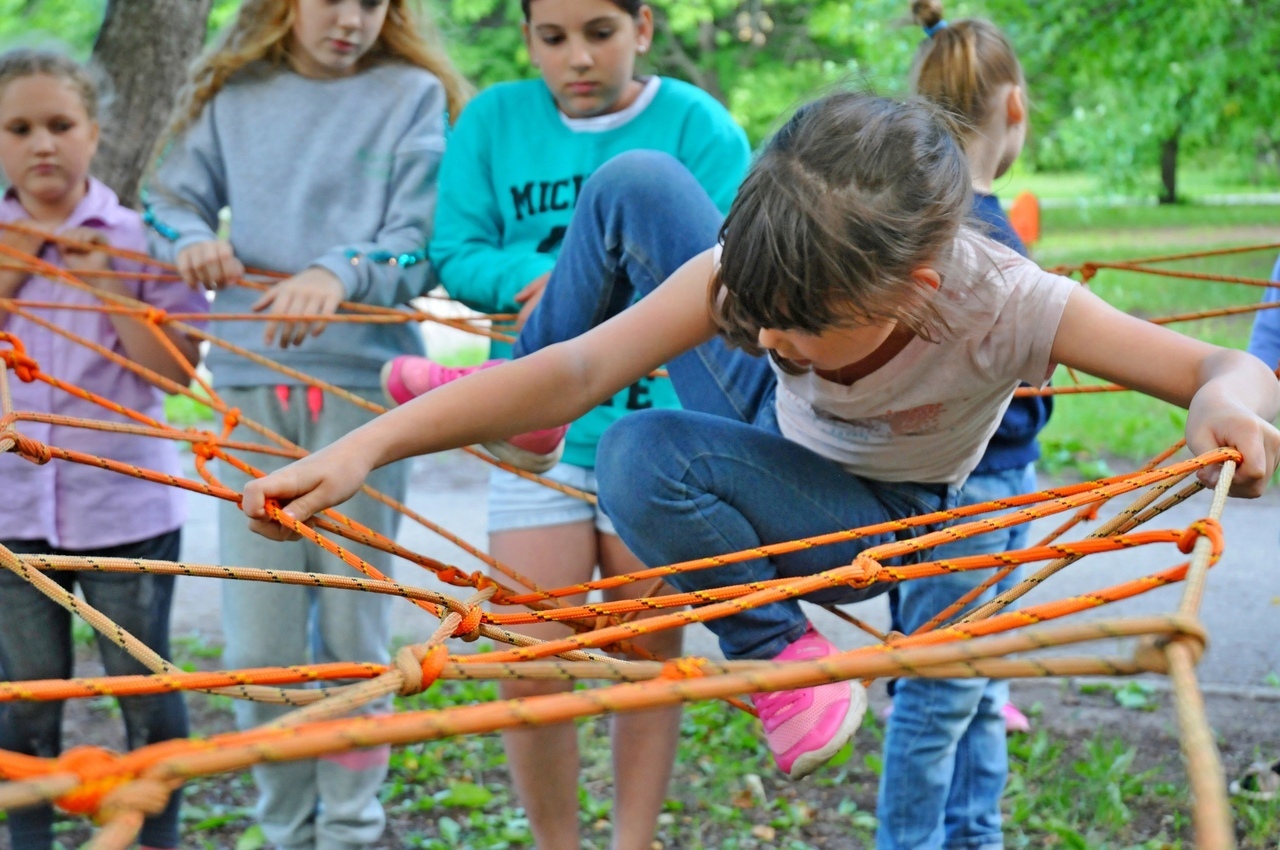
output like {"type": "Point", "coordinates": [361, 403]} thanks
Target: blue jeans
{"type": "Point", "coordinates": [945, 760]}
{"type": "Point", "coordinates": [715, 477]}
{"type": "Point", "coordinates": [35, 643]}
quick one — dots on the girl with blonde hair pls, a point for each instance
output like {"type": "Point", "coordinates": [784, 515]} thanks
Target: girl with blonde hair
{"type": "Point", "coordinates": [321, 124]}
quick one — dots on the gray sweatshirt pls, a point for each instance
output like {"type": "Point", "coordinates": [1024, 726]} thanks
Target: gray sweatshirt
{"type": "Point", "coordinates": [315, 172]}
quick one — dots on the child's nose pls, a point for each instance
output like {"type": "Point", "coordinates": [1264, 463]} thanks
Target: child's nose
{"type": "Point", "coordinates": [43, 141]}
{"type": "Point", "coordinates": [581, 57]}
{"type": "Point", "coordinates": [349, 14]}
{"type": "Point", "coordinates": [769, 338]}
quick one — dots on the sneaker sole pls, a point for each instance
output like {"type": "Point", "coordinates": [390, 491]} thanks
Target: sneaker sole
{"type": "Point", "coordinates": [522, 459]}
{"type": "Point", "coordinates": [809, 762]}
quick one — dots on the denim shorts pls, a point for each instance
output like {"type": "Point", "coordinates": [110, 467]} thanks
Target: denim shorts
{"type": "Point", "coordinates": [516, 503]}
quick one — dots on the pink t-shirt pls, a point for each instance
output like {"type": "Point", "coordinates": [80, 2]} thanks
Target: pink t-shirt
{"type": "Point", "coordinates": [71, 505]}
{"type": "Point", "coordinates": [927, 414]}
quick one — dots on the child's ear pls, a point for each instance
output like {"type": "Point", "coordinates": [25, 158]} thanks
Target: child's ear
{"type": "Point", "coordinates": [94, 131]}
{"type": "Point", "coordinates": [1015, 106]}
{"type": "Point", "coordinates": [926, 276]}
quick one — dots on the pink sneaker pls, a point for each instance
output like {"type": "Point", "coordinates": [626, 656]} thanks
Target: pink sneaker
{"type": "Point", "coordinates": [1014, 720]}
{"type": "Point", "coordinates": [806, 727]}
{"type": "Point", "coordinates": [407, 377]}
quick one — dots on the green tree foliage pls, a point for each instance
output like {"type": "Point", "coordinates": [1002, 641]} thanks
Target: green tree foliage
{"type": "Point", "coordinates": [1120, 81]}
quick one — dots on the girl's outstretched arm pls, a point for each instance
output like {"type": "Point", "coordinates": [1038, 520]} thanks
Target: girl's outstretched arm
{"type": "Point", "coordinates": [1230, 396]}
{"type": "Point", "coordinates": [551, 387]}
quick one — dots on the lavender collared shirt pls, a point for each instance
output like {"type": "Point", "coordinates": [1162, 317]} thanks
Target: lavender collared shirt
{"type": "Point", "coordinates": [71, 505]}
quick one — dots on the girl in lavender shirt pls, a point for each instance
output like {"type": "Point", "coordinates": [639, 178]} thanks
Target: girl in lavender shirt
{"type": "Point", "coordinates": [48, 136]}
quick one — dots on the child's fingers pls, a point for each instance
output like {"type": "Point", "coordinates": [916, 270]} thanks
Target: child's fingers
{"type": "Point", "coordinates": [328, 306]}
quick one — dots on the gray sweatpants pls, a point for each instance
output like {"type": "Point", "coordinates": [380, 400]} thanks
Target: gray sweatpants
{"type": "Point", "coordinates": [329, 803]}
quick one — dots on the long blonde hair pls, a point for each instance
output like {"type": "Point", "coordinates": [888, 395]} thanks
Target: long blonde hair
{"type": "Point", "coordinates": [261, 31]}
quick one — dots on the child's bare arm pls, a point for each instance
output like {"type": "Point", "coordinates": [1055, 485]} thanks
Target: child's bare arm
{"type": "Point", "coordinates": [553, 386]}
{"type": "Point", "coordinates": [1231, 397]}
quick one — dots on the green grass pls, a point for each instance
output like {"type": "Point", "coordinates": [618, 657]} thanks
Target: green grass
{"type": "Point", "coordinates": [1193, 182]}
{"type": "Point", "coordinates": [1086, 430]}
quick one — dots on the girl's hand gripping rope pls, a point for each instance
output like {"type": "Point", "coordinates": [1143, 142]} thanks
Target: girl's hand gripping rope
{"type": "Point", "coordinates": [315, 291]}
{"type": "Point", "coordinates": [212, 264]}
{"type": "Point", "coordinates": [305, 488]}
{"type": "Point", "coordinates": [1230, 396]}
{"type": "Point", "coordinates": [82, 260]}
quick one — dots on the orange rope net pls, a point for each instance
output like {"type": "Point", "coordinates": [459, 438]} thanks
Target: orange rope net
{"type": "Point", "coordinates": [119, 789]}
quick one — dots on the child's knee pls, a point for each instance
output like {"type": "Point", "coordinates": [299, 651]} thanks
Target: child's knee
{"type": "Point", "coordinates": [642, 177]}
{"type": "Point", "coordinates": [630, 458]}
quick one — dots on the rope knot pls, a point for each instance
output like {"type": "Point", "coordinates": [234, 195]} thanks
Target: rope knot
{"type": "Point", "coordinates": [27, 448]}
{"type": "Point", "coordinates": [1207, 527]}
{"type": "Point", "coordinates": [420, 671]}
{"type": "Point", "coordinates": [684, 668]}
{"type": "Point", "coordinates": [230, 420]}
{"type": "Point", "coordinates": [469, 628]}
{"type": "Point", "coordinates": [93, 765]}
{"type": "Point", "coordinates": [863, 572]}
{"type": "Point", "coordinates": [1151, 652]}
{"type": "Point", "coordinates": [205, 450]}
{"type": "Point", "coordinates": [155, 316]}
{"type": "Point", "coordinates": [1087, 272]}
{"type": "Point", "coordinates": [16, 359]}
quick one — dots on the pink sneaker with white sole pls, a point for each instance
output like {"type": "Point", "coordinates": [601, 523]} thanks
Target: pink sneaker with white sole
{"type": "Point", "coordinates": [806, 727]}
{"type": "Point", "coordinates": [407, 377]}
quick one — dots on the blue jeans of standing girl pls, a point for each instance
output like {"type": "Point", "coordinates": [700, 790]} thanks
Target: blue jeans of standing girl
{"type": "Point", "coordinates": [716, 477]}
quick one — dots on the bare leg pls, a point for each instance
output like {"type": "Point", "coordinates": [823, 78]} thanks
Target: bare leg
{"type": "Point", "coordinates": [544, 760]}
{"type": "Point", "coordinates": [644, 742]}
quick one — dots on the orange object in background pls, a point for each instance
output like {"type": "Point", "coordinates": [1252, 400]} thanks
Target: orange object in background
{"type": "Point", "coordinates": [1024, 215]}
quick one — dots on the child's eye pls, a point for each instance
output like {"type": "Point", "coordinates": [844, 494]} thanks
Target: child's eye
{"type": "Point", "coordinates": [601, 34]}
{"type": "Point", "coordinates": [552, 40]}
{"type": "Point", "coordinates": [61, 126]}
{"type": "Point", "coordinates": [370, 5]}
{"type": "Point", "coordinates": [19, 128]}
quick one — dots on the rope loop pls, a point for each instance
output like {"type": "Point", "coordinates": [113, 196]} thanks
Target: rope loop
{"type": "Point", "coordinates": [1150, 653]}
{"type": "Point", "coordinates": [1207, 527]}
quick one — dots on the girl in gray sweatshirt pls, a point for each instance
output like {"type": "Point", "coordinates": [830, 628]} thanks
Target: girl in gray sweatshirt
{"type": "Point", "coordinates": [320, 124]}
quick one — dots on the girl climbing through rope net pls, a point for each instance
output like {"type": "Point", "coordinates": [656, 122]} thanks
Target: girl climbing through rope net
{"type": "Point", "coordinates": [895, 336]}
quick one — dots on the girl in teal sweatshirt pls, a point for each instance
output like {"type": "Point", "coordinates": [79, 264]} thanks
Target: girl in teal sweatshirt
{"type": "Point", "coordinates": [508, 184]}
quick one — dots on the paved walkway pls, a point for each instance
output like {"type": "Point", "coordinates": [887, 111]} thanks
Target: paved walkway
{"type": "Point", "coordinates": [1242, 607]}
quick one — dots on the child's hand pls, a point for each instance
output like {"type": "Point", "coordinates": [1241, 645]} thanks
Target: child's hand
{"type": "Point", "coordinates": [1214, 421]}
{"type": "Point", "coordinates": [529, 297]}
{"type": "Point", "coordinates": [211, 264]}
{"type": "Point", "coordinates": [304, 488]}
{"type": "Point", "coordinates": [315, 291]}
{"type": "Point", "coordinates": [79, 259]}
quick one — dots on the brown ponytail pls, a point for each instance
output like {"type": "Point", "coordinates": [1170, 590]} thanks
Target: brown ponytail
{"type": "Point", "coordinates": [962, 63]}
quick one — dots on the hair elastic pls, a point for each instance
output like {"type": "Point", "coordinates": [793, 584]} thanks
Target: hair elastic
{"type": "Point", "coordinates": [930, 31]}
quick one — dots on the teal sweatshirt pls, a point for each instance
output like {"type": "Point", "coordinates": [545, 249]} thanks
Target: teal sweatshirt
{"type": "Point", "coordinates": [509, 182]}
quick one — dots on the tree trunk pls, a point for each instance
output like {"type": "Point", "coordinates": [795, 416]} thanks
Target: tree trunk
{"type": "Point", "coordinates": [1169, 169]}
{"type": "Point", "coordinates": [144, 48]}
